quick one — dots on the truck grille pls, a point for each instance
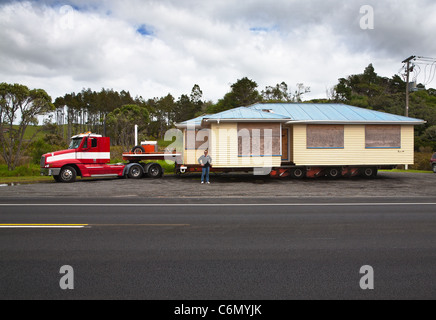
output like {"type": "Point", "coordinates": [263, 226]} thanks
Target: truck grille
{"type": "Point", "coordinates": [42, 162]}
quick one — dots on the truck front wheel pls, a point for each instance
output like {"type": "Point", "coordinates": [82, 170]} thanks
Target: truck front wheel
{"type": "Point", "coordinates": [434, 168]}
{"type": "Point", "coordinates": [67, 175]}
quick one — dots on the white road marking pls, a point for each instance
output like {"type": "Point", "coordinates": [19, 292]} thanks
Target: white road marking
{"type": "Point", "coordinates": [39, 227]}
{"type": "Point", "coordinates": [217, 204]}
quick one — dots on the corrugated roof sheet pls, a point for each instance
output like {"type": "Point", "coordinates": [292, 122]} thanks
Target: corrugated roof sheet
{"type": "Point", "coordinates": [305, 112]}
{"type": "Point", "coordinates": [331, 112]}
{"type": "Point", "coordinates": [246, 113]}
{"type": "Point", "coordinates": [192, 122]}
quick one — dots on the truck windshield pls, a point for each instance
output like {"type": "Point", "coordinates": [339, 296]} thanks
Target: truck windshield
{"type": "Point", "coordinates": [75, 143]}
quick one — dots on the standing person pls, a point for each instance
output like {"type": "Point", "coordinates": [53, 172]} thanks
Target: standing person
{"type": "Point", "coordinates": [206, 162]}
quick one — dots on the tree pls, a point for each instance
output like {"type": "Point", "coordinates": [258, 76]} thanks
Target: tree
{"type": "Point", "coordinates": [164, 114]}
{"type": "Point", "coordinates": [301, 90]}
{"type": "Point", "coordinates": [430, 133]}
{"type": "Point", "coordinates": [342, 91]}
{"type": "Point", "coordinates": [87, 110]}
{"type": "Point", "coordinates": [244, 93]}
{"type": "Point", "coordinates": [184, 109]}
{"type": "Point", "coordinates": [187, 107]}
{"type": "Point", "coordinates": [51, 141]}
{"type": "Point", "coordinates": [369, 75]}
{"type": "Point", "coordinates": [19, 108]}
{"type": "Point", "coordinates": [369, 90]}
{"type": "Point", "coordinates": [122, 123]}
{"type": "Point", "coordinates": [196, 100]}
{"type": "Point", "coordinates": [196, 95]}
{"type": "Point", "coordinates": [281, 93]}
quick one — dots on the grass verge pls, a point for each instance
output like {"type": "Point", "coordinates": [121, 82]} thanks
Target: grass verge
{"type": "Point", "coordinates": [407, 171]}
{"type": "Point", "coordinates": [23, 174]}
{"type": "Point", "coordinates": [25, 180]}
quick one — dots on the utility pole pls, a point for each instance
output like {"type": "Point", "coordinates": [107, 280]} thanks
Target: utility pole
{"type": "Point", "coordinates": [408, 69]}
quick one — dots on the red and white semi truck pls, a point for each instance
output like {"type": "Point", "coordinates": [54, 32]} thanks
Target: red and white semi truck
{"type": "Point", "coordinates": [88, 156]}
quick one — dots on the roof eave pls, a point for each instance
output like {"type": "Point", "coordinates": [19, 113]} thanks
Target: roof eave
{"type": "Point", "coordinates": [345, 122]}
{"type": "Point", "coordinates": [187, 125]}
{"type": "Point", "coordinates": [244, 120]}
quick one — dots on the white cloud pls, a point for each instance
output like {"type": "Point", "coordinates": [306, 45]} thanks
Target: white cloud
{"type": "Point", "coordinates": [49, 45]}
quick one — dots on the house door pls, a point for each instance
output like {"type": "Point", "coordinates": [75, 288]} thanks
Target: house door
{"type": "Point", "coordinates": [285, 145]}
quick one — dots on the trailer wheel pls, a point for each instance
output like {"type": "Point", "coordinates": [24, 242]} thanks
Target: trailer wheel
{"type": "Point", "coordinates": [155, 171]}
{"type": "Point", "coordinates": [334, 173]}
{"type": "Point", "coordinates": [298, 173]}
{"type": "Point", "coordinates": [135, 172]}
{"type": "Point", "coordinates": [369, 172]}
{"type": "Point", "coordinates": [68, 175]}
{"type": "Point", "coordinates": [138, 150]}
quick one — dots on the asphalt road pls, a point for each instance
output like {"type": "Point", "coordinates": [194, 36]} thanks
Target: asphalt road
{"type": "Point", "coordinates": [216, 249]}
{"type": "Point", "coordinates": [235, 186]}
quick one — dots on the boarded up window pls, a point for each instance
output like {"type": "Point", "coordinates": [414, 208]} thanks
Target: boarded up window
{"type": "Point", "coordinates": [325, 137]}
{"type": "Point", "coordinates": [383, 136]}
{"type": "Point", "coordinates": [197, 139]}
{"type": "Point", "coordinates": [259, 139]}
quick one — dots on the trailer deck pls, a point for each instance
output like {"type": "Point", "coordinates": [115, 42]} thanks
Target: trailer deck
{"type": "Point", "coordinates": [141, 156]}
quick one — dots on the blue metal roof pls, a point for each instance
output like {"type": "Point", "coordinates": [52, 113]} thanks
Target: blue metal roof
{"type": "Point", "coordinates": [332, 113]}
{"type": "Point", "coordinates": [244, 113]}
{"type": "Point", "coordinates": [192, 122]}
{"type": "Point", "coordinates": [306, 113]}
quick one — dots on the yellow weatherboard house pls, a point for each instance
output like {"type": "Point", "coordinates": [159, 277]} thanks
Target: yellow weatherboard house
{"type": "Point", "coordinates": [300, 137]}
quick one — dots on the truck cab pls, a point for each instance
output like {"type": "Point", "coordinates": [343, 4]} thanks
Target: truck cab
{"type": "Point", "coordinates": [87, 156]}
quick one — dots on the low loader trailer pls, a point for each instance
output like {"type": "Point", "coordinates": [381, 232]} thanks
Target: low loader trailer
{"type": "Point", "coordinates": [88, 156]}
{"type": "Point", "coordinates": [296, 172]}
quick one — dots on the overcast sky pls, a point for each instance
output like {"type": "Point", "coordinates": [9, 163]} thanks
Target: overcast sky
{"type": "Point", "coordinates": [152, 48]}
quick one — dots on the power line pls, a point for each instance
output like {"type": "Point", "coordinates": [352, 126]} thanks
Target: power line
{"type": "Point", "coordinates": [414, 63]}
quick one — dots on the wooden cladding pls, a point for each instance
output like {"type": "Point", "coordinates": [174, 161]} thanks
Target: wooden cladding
{"type": "Point", "coordinates": [383, 137]}
{"type": "Point", "coordinates": [197, 139]}
{"type": "Point", "coordinates": [325, 137]}
{"type": "Point", "coordinates": [259, 139]}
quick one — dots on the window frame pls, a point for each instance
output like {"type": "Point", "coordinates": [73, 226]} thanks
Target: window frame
{"type": "Point", "coordinates": [314, 136]}
{"type": "Point", "coordinates": [260, 128]}
{"type": "Point", "coordinates": [396, 137]}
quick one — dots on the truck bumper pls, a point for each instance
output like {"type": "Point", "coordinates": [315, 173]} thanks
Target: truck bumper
{"type": "Point", "coordinates": [50, 172]}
